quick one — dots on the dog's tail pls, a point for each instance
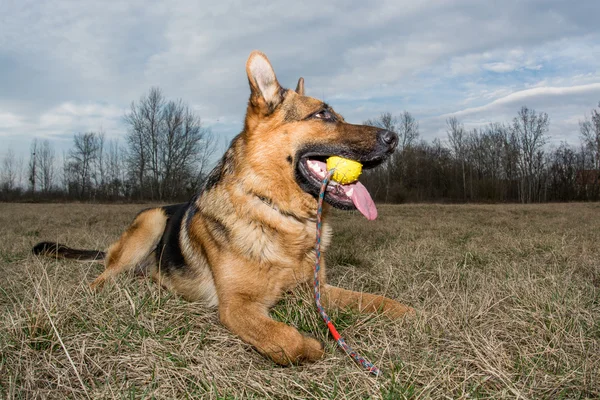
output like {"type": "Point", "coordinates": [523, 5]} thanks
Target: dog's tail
{"type": "Point", "coordinates": [58, 250]}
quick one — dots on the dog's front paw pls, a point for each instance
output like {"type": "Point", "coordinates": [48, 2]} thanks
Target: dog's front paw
{"type": "Point", "coordinates": [394, 310]}
{"type": "Point", "coordinates": [313, 350]}
{"type": "Point", "coordinates": [293, 349]}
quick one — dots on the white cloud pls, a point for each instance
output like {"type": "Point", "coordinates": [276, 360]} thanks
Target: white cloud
{"type": "Point", "coordinates": [74, 66]}
{"type": "Point", "coordinates": [65, 120]}
{"type": "Point", "coordinates": [9, 121]}
{"type": "Point", "coordinates": [536, 95]}
{"type": "Point", "coordinates": [500, 67]}
{"type": "Point", "coordinates": [566, 106]}
{"type": "Point", "coordinates": [69, 118]}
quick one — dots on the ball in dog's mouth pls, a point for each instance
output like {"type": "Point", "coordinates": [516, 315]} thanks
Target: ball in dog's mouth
{"type": "Point", "coordinates": [345, 170]}
{"type": "Point", "coordinates": [356, 192]}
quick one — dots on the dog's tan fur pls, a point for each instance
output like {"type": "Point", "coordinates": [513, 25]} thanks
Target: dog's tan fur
{"type": "Point", "coordinates": [249, 236]}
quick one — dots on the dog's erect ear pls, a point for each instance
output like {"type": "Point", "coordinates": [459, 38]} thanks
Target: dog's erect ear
{"type": "Point", "coordinates": [300, 86]}
{"type": "Point", "coordinates": [263, 82]}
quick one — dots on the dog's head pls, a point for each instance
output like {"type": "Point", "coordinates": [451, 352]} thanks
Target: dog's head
{"type": "Point", "coordinates": [289, 136]}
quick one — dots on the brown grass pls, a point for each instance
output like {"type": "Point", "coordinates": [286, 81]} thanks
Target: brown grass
{"type": "Point", "coordinates": [508, 299]}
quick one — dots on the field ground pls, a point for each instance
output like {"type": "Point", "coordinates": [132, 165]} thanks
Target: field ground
{"type": "Point", "coordinates": [508, 299]}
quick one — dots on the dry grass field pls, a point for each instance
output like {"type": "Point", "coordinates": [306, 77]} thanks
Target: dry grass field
{"type": "Point", "coordinates": [508, 300]}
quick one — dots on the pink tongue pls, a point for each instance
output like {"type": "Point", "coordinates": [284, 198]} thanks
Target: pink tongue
{"type": "Point", "coordinates": [362, 200]}
{"type": "Point", "coordinates": [360, 197]}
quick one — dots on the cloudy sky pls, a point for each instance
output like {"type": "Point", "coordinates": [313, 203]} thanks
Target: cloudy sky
{"type": "Point", "coordinates": [75, 66]}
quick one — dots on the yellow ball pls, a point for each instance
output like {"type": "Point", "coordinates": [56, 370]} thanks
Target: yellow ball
{"type": "Point", "coordinates": [346, 171]}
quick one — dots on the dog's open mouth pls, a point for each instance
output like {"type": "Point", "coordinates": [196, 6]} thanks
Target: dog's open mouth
{"type": "Point", "coordinates": [310, 172]}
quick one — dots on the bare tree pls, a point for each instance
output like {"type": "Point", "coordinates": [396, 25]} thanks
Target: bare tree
{"type": "Point", "coordinates": [458, 145]}
{"type": "Point", "coordinates": [166, 144]}
{"type": "Point", "coordinates": [563, 171]}
{"type": "Point", "coordinates": [173, 115]}
{"type": "Point", "coordinates": [590, 135]}
{"type": "Point", "coordinates": [32, 169]}
{"type": "Point", "coordinates": [208, 147]}
{"type": "Point", "coordinates": [530, 130]}
{"type": "Point", "coordinates": [81, 160]}
{"type": "Point", "coordinates": [407, 128]}
{"type": "Point", "coordinates": [405, 125]}
{"type": "Point", "coordinates": [587, 179]}
{"type": "Point", "coordinates": [487, 156]}
{"type": "Point", "coordinates": [9, 171]}
{"type": "Point", "coordinates": [46, 167]}
{"type": "Point", "coordinates": [100, 163]}
{"type": "Point", "coordinates": [477, 149]}
{"type": "Point", "coordinates": [145, 121]}
{"type": "Point", "coordinates": [21, 172]}
{"type": "Point", "coordinates": [137, 149]}
{"type": "Point", "coordinates": [66, 174]}
{"type": "Point", "coordinates": [180, 147]}
{"type": "Point", "coordinates": [115, 170]}
{"type": "Point", "coordinates": [385, 121]}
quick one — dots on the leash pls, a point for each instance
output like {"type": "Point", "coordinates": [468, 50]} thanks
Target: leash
{"type": "Point", "coordinates": [338, 338]}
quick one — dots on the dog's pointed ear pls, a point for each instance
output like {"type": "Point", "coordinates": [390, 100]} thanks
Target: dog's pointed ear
{"type": "Point", "coordinates": [300, 86]}
{"type": "Point", "coordinates": [263, 82]}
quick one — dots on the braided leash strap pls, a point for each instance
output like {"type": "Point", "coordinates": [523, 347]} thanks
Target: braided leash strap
{"type": "Point", "coordinates": [340, 340]}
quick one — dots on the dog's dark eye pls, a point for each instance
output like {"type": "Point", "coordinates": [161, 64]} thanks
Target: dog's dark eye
{"type": "Point", "coordinates": [324, 114]}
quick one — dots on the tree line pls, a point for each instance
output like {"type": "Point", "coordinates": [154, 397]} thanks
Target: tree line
{"type": "Point", "coordinates": [165, 157]}
{"type": "Point", "coordinates": [500, 162]}
{"type": "Point", "coordinates": [167, 152]}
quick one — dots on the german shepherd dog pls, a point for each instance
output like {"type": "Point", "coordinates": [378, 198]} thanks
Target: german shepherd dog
{"type": "Point", "coordinates": [249, 235]}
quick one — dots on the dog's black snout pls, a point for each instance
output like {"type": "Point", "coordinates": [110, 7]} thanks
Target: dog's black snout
{"type": "Point", "coordinates": [388, 138]}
